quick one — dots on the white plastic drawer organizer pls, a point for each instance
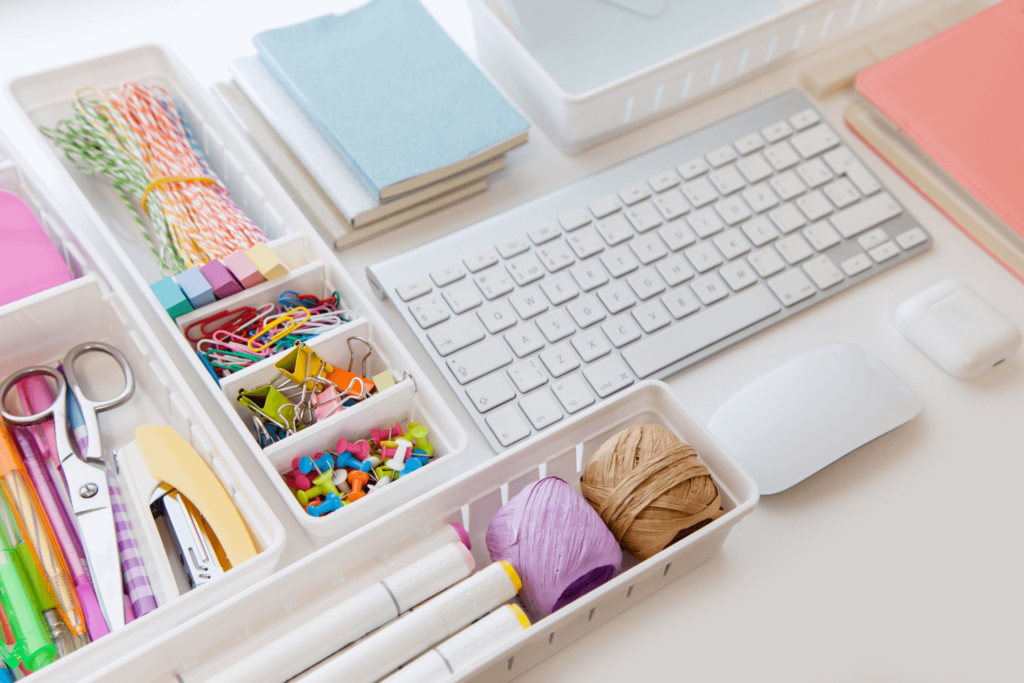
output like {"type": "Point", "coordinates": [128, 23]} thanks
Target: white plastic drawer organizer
{"type": "Point", "coordinates": [217, 646]}
{"type": "Point", "coordinates": [46, 98]}
{"type": "Point", "coordinates": [40, 330]}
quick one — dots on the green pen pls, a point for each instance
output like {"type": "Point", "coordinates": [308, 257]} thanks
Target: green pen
{"type": "Point", "coordinates": [34, 646]}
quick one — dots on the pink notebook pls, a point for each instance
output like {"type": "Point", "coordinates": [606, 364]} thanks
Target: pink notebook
{"type": "Point", "coordinates": [29, 263]}
{"type": "Point", "coordinates": [960, 97]}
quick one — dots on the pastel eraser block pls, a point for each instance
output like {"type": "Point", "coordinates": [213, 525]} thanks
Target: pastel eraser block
{"type": "Point", "coordinates": [222, 282]}
{"type": "Point", "coordinates": [170, 296]}
{"type": "Point", "coordinates": [266, 260]}
{"type": "Point", "coordinates": [244, 270]}
{"type": "Point", "coordinates": [196, 288]}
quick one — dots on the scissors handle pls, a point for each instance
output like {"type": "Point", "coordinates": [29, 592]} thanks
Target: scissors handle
{"type": "Point", "coordinates": [43, 415]}
{"type": "Point", "coordinates": [86, 402]}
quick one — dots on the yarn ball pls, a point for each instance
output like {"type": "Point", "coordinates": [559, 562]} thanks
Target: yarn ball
{"type": "Point", "coordinates": [650, 489]}
{"type": "Point", "coordinates": [557, 543]}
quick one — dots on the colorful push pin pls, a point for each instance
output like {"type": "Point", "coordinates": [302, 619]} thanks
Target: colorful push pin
{"type": "Point", "coordinates": [374, 461]}
{"type": "Point", "coordinates": [421, 459]}
{"type": "Point", "coordinates": [402, 448]}
{"type": "Point", "coordinates": [360, 449]}
{"type": "Point", "coordinates": [297, 480]}
{"type": "Point", "coordinates": [322, 486]}
{"type": "Point", "coordinates": [386, 434]}
{"type": "Point", "coordinates": [324, 481]}
{"type": "Point", "coordinates": [330, 504]}
{"type": "Point", "coordinates": [385, 473]}
{"type": "Point", "coordinates": [357, 480]}
{"type": "Point", "coordinates": [381, 483]}
{"type": "Point", "coordinates": [321, 463]}
{"type": "Point", "coordinates": [350, 461]}
{"type": "Point", "coordinates": [340, 481]}
{"type": "Point", "coordinates": [411, 465]}
{"type": "Point", "coordinates": [419, 433]}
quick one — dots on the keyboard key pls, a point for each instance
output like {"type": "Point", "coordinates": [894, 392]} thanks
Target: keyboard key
{"type": "Point", "coordinates": [615, 229]}
{"type": "Point", "coordinates": [704, 257]}
{"type": "Point", "coordinates": [571, 393]}
{"type": "Point", "coordinates": [462, 297]}
{"type": "Point", "coordinates": [760, 231]}
{"type": "Point", "coordinates": [616, 297]}
{"type": "Point", "coordinates": [586, 311]}
{"type": "Point", "coordinates": [814, 141]}
{"type": "Point", "coordinates": [508, 426]}
{"type": "Point", "coordinates": [527, 376]}
{"type": "Point", "coordinates": [814, 205]}
{"type": "Point", "coordinates": [693, 168]}
{"type": "Point", "coordinates": [766, 262]}
{"type": "Point", "coordinates": [591, 345]}
{"type": "Point", "coordinates": [822, 236]}
{"type": "Point", "coordinates": [605, 207]}
{"type": "Point", "coordinates": [911, 238]}
{"type": "Point", "coordinates": [559, 359]}
{"type": "Point", "coordinates": [842, 193]}
{"type": "Point", "coordinates": [675, 270]}
{"type": "Point", "coordinates": [855, 265]}
{"type": "Point", "coordinates": [589, 275]}
{"type": "Point", "coordinates": [555, 326]}
{"type": "Point", "coordinates": [608, 376]}
{"type": "Point", "coordinates": [574, 220]}
{"type": "Point", "coordinates": [545, 233]}
{"type": "Point", "coordinates": [709, 289]}
{"type": "Point", "coordinates": [429, 311]}
{"type": "Point", "coordinates": [749, 143]}
{"type": "Point", "coordinates": [652, 316]}
{"type": "Point", "coordinates": [685, 338]}
{"type": "Point", "coordinates": [648, 248]}
{"type": "Point", "coordinates": [721, 156]}
{"type": "Point", "coordinates": [884, 252]}
{"type": "Point", "coordinates": [733, 210]}
{"type": "Point", "coordinates": [787, 218]}
{"type": "Point", "coordinates": [732, 243]}
{"type": "Point", "coordinates": [412, 289]}
{"type": "Point", "coordinates": [524, 340]}
{"type": "Point", "coordinates": [646, 284]}
{"type": "Point", "coordinates": [497, 317]}
{"type": "Point", "coordinates": [619, 261]}
{"type": "Point", "coordinates": [776, 131]}
{"type": "Point", "coordinates": [671, 205]}
{"type": "Point", "coordinates": [738, 275]}
{"type": "Point", "coordinates": [862, 178]}
{"type": "Point", "coordinates": [447, 275]}
{"type": "Point", "coordinates": [493, 283]}
{"type": "Point", "coordinates": [644, 217]}
{"type": "Point", "coordinates": [478, 360]}
{"type": "Point", "coordinates": [664, 181]}
{"type": "Point", "coordinates": [480, 260]}
{"type": "Point", "coordinates": [635, 193]}
{"type": "Point", "coordinates": [754, 168]}
{"type": "Point", "coordinates": [727, 180]}
{"type": "Point", "coordinates": [787, 185]}
{"type": "Point", "coordinates": [700, 192]}
{"type": "Point", "coordinates": [585, 243]}
{"type": "Point", "coordinates": [872, 239]}
{"type": "Point", "coordinates": [559, 289]}
{"type": "Point", "coordinates": [681, 303]}
{"type": "Point", "coordinates": [524, 269]}
{"type": "Point", "coordinates": [781, 156]}
{"type": "Point", "coordinates": [823, 271]}
{"type": "Point", "coordinates": [490, 392]}
{"type": "Point", "coordinates": [866, 215]}
{"type": "Point", "coordinates": [555, 256]}
{"type": "Point", "coordinates": [804, 119]}
{"type": "Point", "coordinates": [792, 287]}
{"type": "Point", "coordinates": [794, 249]}
{"type": "Point", "coordinates": [814, 173]}
{"type": "Point", "coordinates": [516, 245]}
{"type": "Point", "coordinates": [705, 222]}
{"type": "Point", "coordinates": [455, 335]}
{"type": "Point", "coordinates": [760, 198]}
{"type": "Point", "coordinates": [677, 235]}
{"type": "Point", "coordinates": [528, 302]}
{"type": "Point", "coordinates": [621, 331]}
{"type": "Point", "coordinates": [540, 409]}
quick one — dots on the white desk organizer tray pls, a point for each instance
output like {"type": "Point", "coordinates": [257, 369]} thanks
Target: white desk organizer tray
{"type": "Point", "coordinates": [45, 98]}
{"type": "Point", "coordinates": [207, 647]}
{"type": "Point", "coordinates": [578, 121]}
{"type": "Point", "coordinates": [39, 330]}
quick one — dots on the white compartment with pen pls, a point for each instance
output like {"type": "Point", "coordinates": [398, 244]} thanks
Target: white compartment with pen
{"type": "Point", "coordinates": [39, 330]}
{"type": "Point", "coordinates": [45, 98]}
{"type": "Point", "coordinates": [209, 646]}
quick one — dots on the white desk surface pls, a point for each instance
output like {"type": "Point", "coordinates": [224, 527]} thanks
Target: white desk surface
{"type": "Point", "coordinates": [901, 562]}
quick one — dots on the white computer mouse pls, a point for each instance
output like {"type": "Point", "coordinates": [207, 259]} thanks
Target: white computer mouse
{"type": "Point", "coordinates": [808, 413]}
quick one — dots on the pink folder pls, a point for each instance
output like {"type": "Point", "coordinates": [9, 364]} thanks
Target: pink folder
{"type": "Point", "coordinates": [29, 263]}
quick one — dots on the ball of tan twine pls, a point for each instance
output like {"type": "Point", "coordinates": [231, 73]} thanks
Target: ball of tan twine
{"type": "Point", "coordinates": [650, 489]}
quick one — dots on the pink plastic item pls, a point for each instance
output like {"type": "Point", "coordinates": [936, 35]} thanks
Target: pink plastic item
{"type": "Point", "coordinates": [29, 263]}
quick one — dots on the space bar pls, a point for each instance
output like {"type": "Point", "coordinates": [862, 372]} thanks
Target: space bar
{"type": "Point", "coordinates": [690, 336]}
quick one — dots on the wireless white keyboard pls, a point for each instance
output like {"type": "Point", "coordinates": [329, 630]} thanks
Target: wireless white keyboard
{"type": "Point", "coordinates": [647, 267]}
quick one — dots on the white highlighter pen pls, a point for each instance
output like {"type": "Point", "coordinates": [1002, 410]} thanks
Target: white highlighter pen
{"type": "Point", "coordinates": [465, 648]}
{"type": "Point", "coordinates": [376, 656]}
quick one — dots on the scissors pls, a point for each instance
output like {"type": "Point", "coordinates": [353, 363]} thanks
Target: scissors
{"type": "Point", "coordinates": [87, 485]}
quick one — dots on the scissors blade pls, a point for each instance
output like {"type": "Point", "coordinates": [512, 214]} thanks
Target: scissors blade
{"type": "Point", "coordinates": [100, 541]}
